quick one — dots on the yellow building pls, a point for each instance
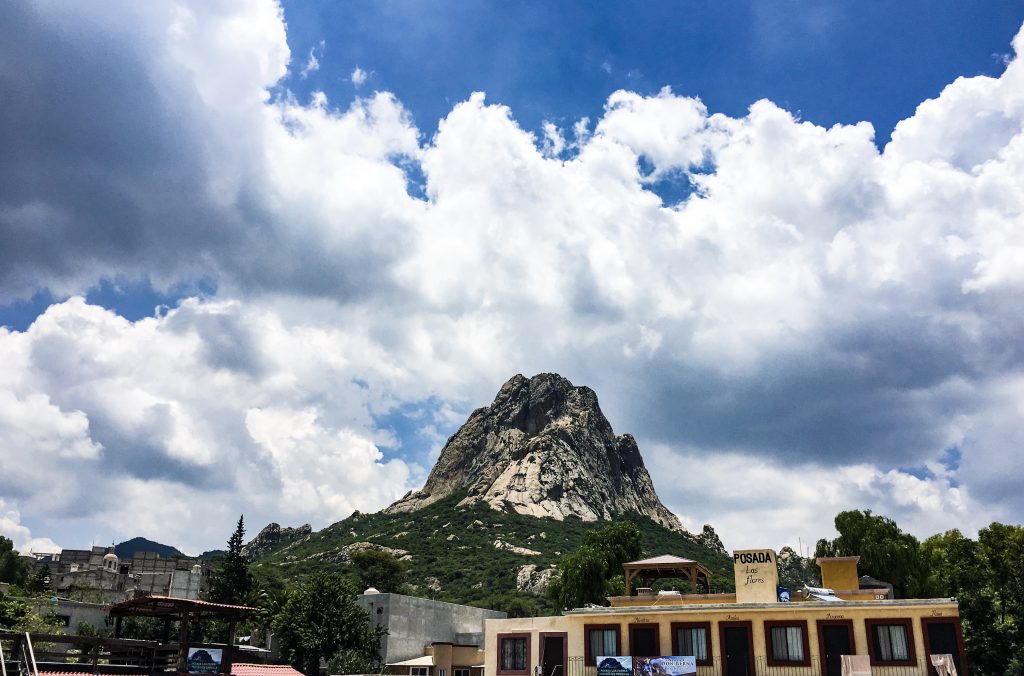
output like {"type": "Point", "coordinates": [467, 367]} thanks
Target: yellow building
{"type": "Point", "coordinates": [749, 633]}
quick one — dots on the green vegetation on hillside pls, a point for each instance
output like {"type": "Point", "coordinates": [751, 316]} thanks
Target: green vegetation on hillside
{"type": "Point", "coordinates": [464, 555]}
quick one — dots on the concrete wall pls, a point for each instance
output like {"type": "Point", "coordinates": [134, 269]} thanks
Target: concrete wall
{"type": "Point", "coordinates": [414, 623]}
{"type": "Point", "coordinates": [74, 613]}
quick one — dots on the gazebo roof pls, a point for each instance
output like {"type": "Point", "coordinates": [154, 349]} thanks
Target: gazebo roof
{"type": "Point", "coordinates": [169, 606]}
{"type": "Point", "coordinates": [663, 560]}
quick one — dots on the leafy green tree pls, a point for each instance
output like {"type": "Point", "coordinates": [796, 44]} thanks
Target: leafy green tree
{"type": "Point", "coordinates": [21, 616]}
{"type": "Point", "coordinates": [620, 543]}
{"type": "Point", "coordinates": [885, 551]}
{"type": "Point", "coordinates": [232, 582]}
{"type": "Point", "coordinates": [378, 569]}
{"type": "Point", "coordinates": [581, 578]}
{"type": "Point", "coordinates": [321, 620]}
{"type": "Point", "coordinates": [1002, 549]}
{"type": "Point", "coordinates": [594, 571]}
{"type": "Point", "coordinates": [13, 568]}
{"type": "Point", "coordinates": [981, 575]}
{"type": "Point", "coordinates": [39, 583]}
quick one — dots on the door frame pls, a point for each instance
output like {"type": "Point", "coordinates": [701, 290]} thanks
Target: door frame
{"type": "Point", "coordinates": [564, 635]}
{"type": "Point", "coordinates": [744, 624]}
{"type": "Point", "coordinates": [657, 637]}
{"type": "Point", "coordinates": [957, 631]}
{"type": "Point", "coordinates": [821, 637]}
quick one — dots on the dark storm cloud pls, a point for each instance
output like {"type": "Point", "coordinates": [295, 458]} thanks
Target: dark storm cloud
{"type": "Point", "coordinates": [99, 169]}
{"type": "Point", "coordinates": [110, 167]}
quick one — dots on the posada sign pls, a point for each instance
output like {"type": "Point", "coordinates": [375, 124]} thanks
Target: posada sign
{"type": "Point", "coordinates": [757, 576]}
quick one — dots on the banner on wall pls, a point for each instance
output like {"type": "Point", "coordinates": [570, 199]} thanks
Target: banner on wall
{"type": "Point", "coordinates": [666, 665]}
{"type": "Point", "coordinates": [673, 665]}
{"type": "Point", "coordinates": [204, 660]}
{"type": "Point", "coordinates": [614, 666]}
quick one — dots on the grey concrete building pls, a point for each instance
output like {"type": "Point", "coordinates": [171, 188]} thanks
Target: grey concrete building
{"type": "Point", "coordinates": [414, 624]}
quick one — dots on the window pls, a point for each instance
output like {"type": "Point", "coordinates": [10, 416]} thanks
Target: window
{"type": "Point", "coordinates": [513, 654]}
{"type": "Point", "coordinates": [891, 642]}
{"type": "Point", "coordinates": [460, 671]}
{"type": "Point", "coordinates": [787, 643]}
{"type": "Point", "coordinates": [419, 671]}
{"type": "Point", "coordinates": [691, 638]}
{"type": "Point", "coordinates": [601, 640]}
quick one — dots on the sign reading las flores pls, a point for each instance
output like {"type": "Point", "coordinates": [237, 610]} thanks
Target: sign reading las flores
{"type": "Point", "coordinates": [757, 575]}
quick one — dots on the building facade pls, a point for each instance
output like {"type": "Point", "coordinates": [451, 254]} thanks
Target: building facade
{"type": "Point", "coordinates": [750, 633]}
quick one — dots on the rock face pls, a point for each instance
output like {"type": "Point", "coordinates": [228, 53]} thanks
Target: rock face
{"type": "Point", "coordinates": [543, 448]}
{"type": "Point", "coordinates": [534, 581]}
{"type": "Point", "coordinates": [273, 535]}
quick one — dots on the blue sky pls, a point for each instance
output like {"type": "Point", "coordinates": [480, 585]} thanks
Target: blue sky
{"type": "Point", "coordinates": [833, 62]}
{"type": "Point", "coordinates": [265, 259]}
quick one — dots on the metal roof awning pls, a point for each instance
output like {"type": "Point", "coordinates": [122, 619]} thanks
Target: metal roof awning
{"type": "Point", "coordinates": [424, 661]}
{"type": "Point", "coordinates": [822, 594]}
{"type": "Point", "coordinates": [169, 606]}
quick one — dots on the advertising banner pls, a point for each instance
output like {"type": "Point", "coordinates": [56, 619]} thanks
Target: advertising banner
{"type": "Point", "coordinates": [614, 666]}
{"type": "Point", "coordinates": [673, 665]}
{"type": "Point", "coordinates": [204, 660]}
{"type": "Point", "coordinates": [665, 665]}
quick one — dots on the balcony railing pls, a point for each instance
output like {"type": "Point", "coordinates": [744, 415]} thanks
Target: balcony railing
{"type": "Point", "coordinates": [576, 667]}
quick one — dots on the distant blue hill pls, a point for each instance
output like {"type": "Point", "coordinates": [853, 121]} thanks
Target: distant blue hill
{"type": "Point", "coordinates": [127, 549]}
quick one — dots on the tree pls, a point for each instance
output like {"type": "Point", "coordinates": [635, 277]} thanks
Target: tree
{"type": "Point", "coordinates": [982, 576]}
{"type": "Point", "coordinates": [232, 582]}
{"type": "Point", "coordinates": [581, 579]}
{"type": "Point", "coordinates": [322, 620]}
{"type": "Point", "coordinates": [39, 583]}
{"type": "Point", "coordinates": [13, 568]}
{"type": "Point", "coordinates": [619, 542]}
{"type": "Point", "coordinates": [586, 575]}
{"type": "Point", "coordinates": [378, 569]}
{"type": "Point", "coordinates": [885, 551]}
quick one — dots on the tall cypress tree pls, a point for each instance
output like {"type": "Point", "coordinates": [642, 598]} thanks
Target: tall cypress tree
{"type": "Point", "coordinates": [232, 582]}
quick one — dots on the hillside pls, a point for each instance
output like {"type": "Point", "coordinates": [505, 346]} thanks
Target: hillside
{"type": "Point", "coordinates": [127, 549]}
{"type": "Point", "coordinates": [473, 554]}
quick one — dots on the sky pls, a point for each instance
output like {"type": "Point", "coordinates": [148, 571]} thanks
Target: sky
{"type": "Point", "coordinates": [264, 259]}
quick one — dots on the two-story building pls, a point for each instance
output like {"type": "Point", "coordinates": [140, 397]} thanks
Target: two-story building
{"type": "Point", "coordinates": [757, 631]}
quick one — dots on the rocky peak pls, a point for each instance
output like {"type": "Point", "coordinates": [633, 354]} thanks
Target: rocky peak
{"type": "Point", "coordinates": [272, 536]}
{"type": "Point", "coordinates": [544, 448]}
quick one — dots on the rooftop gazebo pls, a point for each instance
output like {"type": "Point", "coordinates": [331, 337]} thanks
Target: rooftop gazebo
{"type": "Point", "coordinates": [666, 566]}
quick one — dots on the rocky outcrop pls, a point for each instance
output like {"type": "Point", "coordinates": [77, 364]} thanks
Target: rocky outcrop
{"type": "Point", "coordinates": [272, 536]}
{"type": "Point", "coordinates": [543, 448]}
{"type": "Point", "coordinates": [534, 581]}
{"type": "Point", "coordinates": [709, 538]}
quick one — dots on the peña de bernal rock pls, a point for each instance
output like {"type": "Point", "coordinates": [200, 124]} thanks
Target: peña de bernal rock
{"type": "Point", "coordinates": [543, 448]}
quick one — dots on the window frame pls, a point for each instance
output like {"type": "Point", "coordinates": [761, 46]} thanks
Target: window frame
{"type": "Point", "coordinates": [633, 626]}
{"type": "Point", "coordinates": [908, 626]}
{"type": "Point", "coordinates": [706, 626]}
{"type": "Point", "coordinates": [588, 660]}
{"type": "Point", "coordinates": [773, 661]}
{"type": "Point", "coordinates": [525, 671]}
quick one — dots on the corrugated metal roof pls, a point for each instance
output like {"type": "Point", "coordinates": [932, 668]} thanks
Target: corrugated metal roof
{"type": "Point", "coordinates": [169, 605]}
{"type": "Point", "coordinates": [263, 670]}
